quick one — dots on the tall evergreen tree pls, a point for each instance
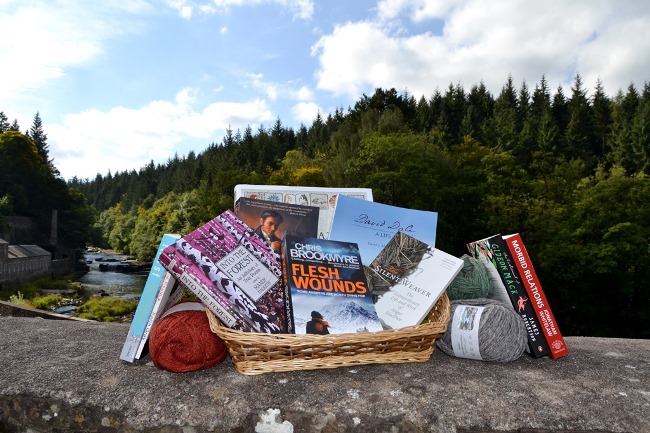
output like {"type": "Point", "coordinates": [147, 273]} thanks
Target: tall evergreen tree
{"type": "Point", "coordinates": [579, 132]}
{"type": "Point", "coordinates": [4, 122]}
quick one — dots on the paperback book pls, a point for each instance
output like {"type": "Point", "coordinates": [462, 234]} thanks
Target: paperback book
{"type": "Point", "coordinates": [323, 198]}
{"type": "Point", "coordinates": [159, 281]}
{"type": "Point", "coordinates": [533, 286]}
{"type": "Point", "coordinates": [407, 278]}
{"type": "Point", "coordinates": [230, 269]}
{"type": "Point", "coordinates": [371, 225]}
{"type": "Point", "coordinates": [273, 220]}
{"type": "Point", "coordinates": [328, 290]}
{"type": "Point", "coordinates": [499, 263]}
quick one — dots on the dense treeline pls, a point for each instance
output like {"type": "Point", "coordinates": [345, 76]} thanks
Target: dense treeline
{"type": "Point", "coordinates": [569, 172]}
{"type": "Point", "coordinates": [30, 185]}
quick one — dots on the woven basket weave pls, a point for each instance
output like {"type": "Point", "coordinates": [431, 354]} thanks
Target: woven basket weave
{"type": "Point", "coordinates": [256, 353]}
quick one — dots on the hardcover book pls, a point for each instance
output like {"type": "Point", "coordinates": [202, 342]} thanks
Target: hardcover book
{"type": "Point", "coordinates": [322, 198]}
{"type": "Point", "coordinates": [273, 220]}
{"type": "Point", "coordinates": [328, 290]}
{"type": "Point", "coordinates": [494, 254]}
{"type": "Point", "coordinates": [550, 328]}
{"type": "Point", "coordinates": [407, 278]}
{"type": "Point", "coordinates": [372, 225]}
{"type": "Point", "coordinates": [158, 281]}
{"type": "Point", "coordinates": [230, 269]}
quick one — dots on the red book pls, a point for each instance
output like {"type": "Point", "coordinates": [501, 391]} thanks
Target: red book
{"type": "Point", "coordinates": [536, 294]}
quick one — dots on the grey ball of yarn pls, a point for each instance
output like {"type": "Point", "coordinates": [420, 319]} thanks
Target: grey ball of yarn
{"type": "Point", "coordinates": [472, 281]}
{"type": "Point", "coordinates": [502, 335]}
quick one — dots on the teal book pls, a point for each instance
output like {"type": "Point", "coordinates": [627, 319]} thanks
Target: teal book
{"type": "Point", "coordinates": [158, 280]}
{"type": "Point", "coordinates": [372, 225]}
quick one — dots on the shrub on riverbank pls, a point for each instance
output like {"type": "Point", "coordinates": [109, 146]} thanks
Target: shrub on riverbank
{"type": "Point", "coordinates": [106, 309]}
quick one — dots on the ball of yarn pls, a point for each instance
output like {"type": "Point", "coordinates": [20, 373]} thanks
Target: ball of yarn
{"type": "Point", "coordinates": [182, 341]}
{"type": "Point", "coordinates": [502, 335]}
{"type": "Point", "coordinates": [472, 282]}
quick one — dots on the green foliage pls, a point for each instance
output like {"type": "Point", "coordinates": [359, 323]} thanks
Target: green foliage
{"type": "Point", "coordinates": [46, 302]}
{"type": "Point", "coordinates": [19, 299]}
{"type": "Point", "coordinates": [106, 309]}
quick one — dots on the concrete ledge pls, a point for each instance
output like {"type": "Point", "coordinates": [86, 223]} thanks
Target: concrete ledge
{"type": "Point", "coordinates": [66, 376]}
{"type": "Point", "coordinates": [9, 309]}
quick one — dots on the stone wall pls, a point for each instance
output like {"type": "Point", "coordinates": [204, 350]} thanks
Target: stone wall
{"type": "Point", "coordinates": [66, 376]}
{"type": "Point", "coordinates": [24, 269]}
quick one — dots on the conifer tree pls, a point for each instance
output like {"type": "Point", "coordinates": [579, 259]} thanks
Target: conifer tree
{"type": "Point", "coordinates": [579, 132]}
{"type": "Point", "coordinates": [4, 122]}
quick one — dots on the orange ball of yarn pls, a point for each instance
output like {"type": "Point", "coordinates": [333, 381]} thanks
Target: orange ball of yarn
{"type": "Point", "coordinates": [182, 341]}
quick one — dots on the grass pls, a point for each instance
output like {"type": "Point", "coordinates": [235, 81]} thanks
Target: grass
{"type": "Point", "coordinates": [106, 309]}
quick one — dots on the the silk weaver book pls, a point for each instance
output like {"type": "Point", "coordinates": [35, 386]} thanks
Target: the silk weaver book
{"type": "Point", "coordinates": [157, 281]}
{"type": "Point", "coordinates": [328, 287]}
{"type": "Point", "coordinates": [232, 272]}
{"type": "Point", "coordinates": [407, 278]}
{"type": "Point", "coordinates": [372, 225]}
{"type": "Point", "coordinates": [321, 197]}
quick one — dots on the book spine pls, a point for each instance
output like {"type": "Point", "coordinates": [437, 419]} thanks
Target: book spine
{"type": "Point", "coordinates": [164, 291]}
{"type": "Point", "coordinates": [519, 298]}
{"type": "Point", "coordinates": [288, 304]}
{"type": "Point", "coordinates": [147, 300]}
{"type": "Point", "coordinates": [556, 343]}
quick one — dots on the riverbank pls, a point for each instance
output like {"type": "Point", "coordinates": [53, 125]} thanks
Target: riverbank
{"type": "Point", "coordinates": [96, 292]}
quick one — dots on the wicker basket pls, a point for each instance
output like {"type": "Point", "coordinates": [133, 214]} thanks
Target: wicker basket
{"type": "Point", "coordinates": [256, 353]}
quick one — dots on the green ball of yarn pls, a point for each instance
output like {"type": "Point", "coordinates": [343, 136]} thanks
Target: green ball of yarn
{"type": "Point", "coordinates": [472, 281]}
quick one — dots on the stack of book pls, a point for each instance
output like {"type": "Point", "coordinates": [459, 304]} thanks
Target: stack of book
{"type": "Point", "coordinates": [516, 283]}
{"type": "Point", "coordinates": [309, 260]}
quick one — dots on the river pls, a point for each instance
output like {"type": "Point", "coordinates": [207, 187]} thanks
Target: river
{"type": "Point", "coordinates": [121, 284]}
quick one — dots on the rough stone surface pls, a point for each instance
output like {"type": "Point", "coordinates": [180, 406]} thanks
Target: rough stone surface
{"type": "Point", "coordinates": [66, 376]}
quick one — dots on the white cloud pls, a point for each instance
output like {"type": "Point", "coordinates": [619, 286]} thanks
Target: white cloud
{"type": "Point", "coordinates": [305, 112]}
{"type": "Point", "coordinates": [302, 9]}
{"type": "Point", "coordinates": [122, 138]}
{"type": "Point", "coordinates": [48, 38]}
{"type": "Point", "coordinates": [289, 90]}
{"type": "Point", "coordinates": [486, 41]}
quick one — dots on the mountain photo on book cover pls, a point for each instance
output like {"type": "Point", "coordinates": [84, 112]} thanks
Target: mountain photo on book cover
{"type": "Point", "coordinates": [328, 287]}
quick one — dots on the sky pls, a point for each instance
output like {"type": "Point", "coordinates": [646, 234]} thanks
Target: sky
{"type": "Point", "coordinates": [120, 83]}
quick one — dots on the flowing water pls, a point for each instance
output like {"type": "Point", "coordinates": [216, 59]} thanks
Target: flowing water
{"type": "Point", "coordinates": [122, 284]}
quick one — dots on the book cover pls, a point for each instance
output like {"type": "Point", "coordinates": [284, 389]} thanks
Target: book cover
{"type": "Point", "coordinates": [550, 328]}
{"type": "Point", "coordinates": [273, 220]}
{"type": "Point", "coordinates": [495, 255]}
{"type": "Point", "coordinates": [322, 198]}
{"type": "Point", "coordinates": [407, 278]}
{"type": "Point", "coordinates": [155, 282]}
{"type": "Point", "coordinates": [328, 287]}
{"type": "Point", "coordinates": [230, 269]}
{"type": "Point", "coordinates": [372, 225]}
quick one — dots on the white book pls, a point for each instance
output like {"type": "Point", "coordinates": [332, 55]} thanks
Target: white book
{"type": "Point", "coordinates": [407, 278]}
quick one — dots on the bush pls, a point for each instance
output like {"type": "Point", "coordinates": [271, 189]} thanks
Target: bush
{"type": "Point", "coordinates": [46, 302]}
{"type": "Point", "coordinates": [106, 309]}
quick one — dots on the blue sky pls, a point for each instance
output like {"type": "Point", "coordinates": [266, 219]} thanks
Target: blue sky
{"type": "Point", "coordinates": [119, 83]}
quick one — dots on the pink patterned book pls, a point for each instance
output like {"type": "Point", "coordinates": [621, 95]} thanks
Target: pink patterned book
{"type": "Point", "coordinates": [230, 269]}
